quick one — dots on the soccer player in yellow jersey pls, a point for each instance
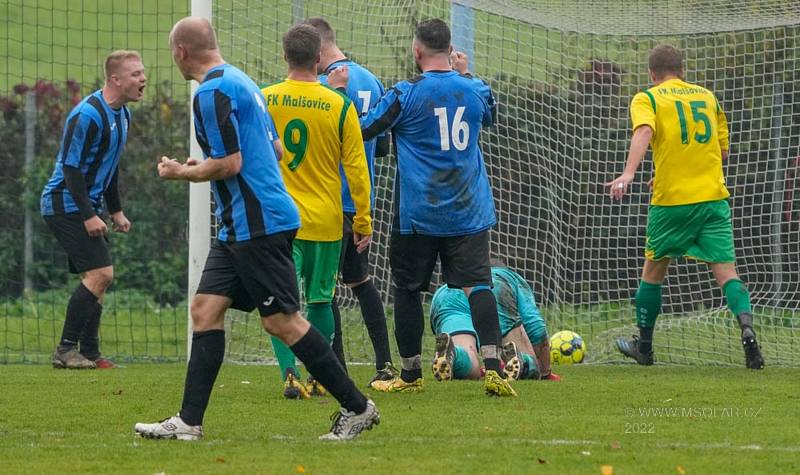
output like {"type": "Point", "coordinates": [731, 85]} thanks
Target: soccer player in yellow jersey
{"type": "Point", "coordinates": [689, 213]}
{"type": "Point", "coordinates": [319, 129]}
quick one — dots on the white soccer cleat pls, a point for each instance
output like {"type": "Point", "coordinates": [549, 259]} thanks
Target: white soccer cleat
{"type": "Point", "coordinates": [347, 425]}
{"type": "Point", "coordinates": [170, 428]}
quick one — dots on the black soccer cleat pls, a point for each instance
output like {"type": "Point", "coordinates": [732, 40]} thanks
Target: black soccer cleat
{"type": "Point", "coordinates": [752, 352]}
{"type": "Point", "coordinates": [630, 348]}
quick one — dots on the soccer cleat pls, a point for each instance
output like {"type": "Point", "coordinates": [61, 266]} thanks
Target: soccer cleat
{"type": "Point", "coordinates": [397, 385]}
{"type": "Point", "coordinates": [294, 389]}
{"type": "Point", "coordinates": [630, 348]}
{"type": "Point", "coordinates": [388, 373]}
{"type": "Point", "coordinates": [551, 377]}
{"type": "Point", "coordinates": [315, 389]}
{"type": "Point", "coordinates": [71, 359]}
{"type": "Point", "coordinates": [494, 385]}
{"type": "Point", "coordinates": [443, 359]}
{"type": "Point", "coordinates": [104, 363]}
{"type": "Point", "coordinates": [752, 352]}
{"type": "Point", "coordinates": [170, 428]}
{"type": "Point", "coordinates": [347, 425]}
{"type": "Point", "coordinates": [511, 360]}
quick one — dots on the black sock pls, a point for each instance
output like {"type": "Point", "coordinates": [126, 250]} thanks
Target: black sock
{"type": "Point", "coordinates": [375, 320]}
{"type": "Point", "coordinates": [409, 324]}
{"type": "Point", "coordinates": [321, 363]}
{"type": "Point", "coordinates": [338, 342]}
{"type": "Point", "coordinates": [483, 307]}
{"type": "Point", "coordinates": [90, 336]}
{"type": "Point", "coordinates": [646, 339]}
{"type": "Point", "coordinates": [79, 310]}
{"type": "Point", "coordinates": [208, 350]}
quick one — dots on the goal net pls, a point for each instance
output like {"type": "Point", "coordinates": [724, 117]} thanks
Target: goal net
{"type": "Point", "coordinates": [564, 73]}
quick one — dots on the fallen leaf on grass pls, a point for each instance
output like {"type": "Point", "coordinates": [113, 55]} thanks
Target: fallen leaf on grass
{"type": "Point", "coordinates": [606, 470]}
{"type": "Point", "coordinates": [540, 460]}
{"type": "Point", "coordinates": [300, 469]}
{"type": "Point", "coordinates": [117, 392]}
{"type": "Point", "coordinates": [680, 469]}
{"type": "Point", "coordinates": [616, 445]}
{"type": "Point", "coordinates": [220, 459]}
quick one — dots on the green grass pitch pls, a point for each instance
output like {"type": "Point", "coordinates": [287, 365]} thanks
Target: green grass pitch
{"type": "Point", "coordinates": [635, 420]}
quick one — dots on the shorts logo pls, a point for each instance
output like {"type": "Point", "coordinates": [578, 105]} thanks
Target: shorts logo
{"type": "Point", "coordinates": [269, 301]}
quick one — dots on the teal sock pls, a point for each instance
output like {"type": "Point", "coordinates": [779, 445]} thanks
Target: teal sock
{"type": "Point", "coordinates": [462, 364]}
{"type": "Point", "coordinates": [285, 358]}
{"type": "Point", "coordinates": [529, 368]}
{"type": "Point", "coordinates": [321, 316]}
{"type": "Point", "coordinates": [737, 296]}
{"type": "Point", "coordinates": [648, 304]}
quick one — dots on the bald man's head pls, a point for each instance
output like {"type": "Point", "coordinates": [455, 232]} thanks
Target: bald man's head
{"type": "Point", "coordinates": [195, 33]}
{"type": "Point", "coordinates": [194, 45]}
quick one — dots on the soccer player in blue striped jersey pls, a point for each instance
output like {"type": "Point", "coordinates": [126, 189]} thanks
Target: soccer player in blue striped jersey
{"type": "Point", "coordinates": [86, 174]}
{"type": "Point", "coordinates": [250, 265]}
{"type": "Point", "coordinates": [443, 203]}
{"type": "Point", "coordinates": [364, 89]}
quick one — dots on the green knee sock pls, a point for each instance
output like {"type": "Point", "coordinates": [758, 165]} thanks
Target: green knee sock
{"type": "Point", "coordinates": [321, 316]}
{"type": "Point", "coordinates": [285, 358]}
{"type": "Point", "coordinates": [648, 304]}
{"type": "Point", "coordinates": [461, 364]}
{"type": "Point", "coordinates": [737, 296]}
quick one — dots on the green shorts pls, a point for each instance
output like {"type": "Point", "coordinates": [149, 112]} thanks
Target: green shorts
{"type": "Point", "coordinates": [702, 231]}
{"type": "Point", "coordinates": [317, 267]}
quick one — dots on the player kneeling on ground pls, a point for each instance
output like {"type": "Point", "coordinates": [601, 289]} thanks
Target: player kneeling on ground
{"type": "Point", "coordinates": [526, 347]}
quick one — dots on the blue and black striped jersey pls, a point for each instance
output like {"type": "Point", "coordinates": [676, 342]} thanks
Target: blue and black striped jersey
{"type": "Point", "coordinates": [230, 116]}
{"type": "Point", "coordinates": [441, 185]}
{"type": "Point", "coordinates": [93, 139]}
{"type": "Point", "coordinates": [364, 89]}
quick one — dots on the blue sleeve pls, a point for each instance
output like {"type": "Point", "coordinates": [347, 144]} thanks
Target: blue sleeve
{"type": "Point", "coordinates": [219, 123]}
{"type": "Point", "coordinates": [531, 318]}
{"type": "Point", "coordinates": [490, 105]}
{"type": "Point", "coordinates": [272, 131]}
{"type": "Point", "coordinates": [80, 134]}
{"type": "Point", "coordinates": [383, 116]}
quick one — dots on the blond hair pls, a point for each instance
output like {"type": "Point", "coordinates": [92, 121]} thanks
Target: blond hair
{"type": "Point", "coordinates": [115, 59]}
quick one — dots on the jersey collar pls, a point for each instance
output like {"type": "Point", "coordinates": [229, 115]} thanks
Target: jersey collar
{"type": "Point", "coordinates": [336, 64]}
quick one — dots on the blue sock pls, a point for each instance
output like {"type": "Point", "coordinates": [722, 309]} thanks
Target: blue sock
{"type": "Point", "coordinates": [461, 364]}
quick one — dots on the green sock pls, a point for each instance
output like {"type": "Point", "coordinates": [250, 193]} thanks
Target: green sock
{"type": "Point", "coordinates": [737, 296]}
{"type": "Point", "coordinates": [285, 358]}
{"type": "Point", "coordinates": [648, 304]}
{"type": "Point", "coordinates": [321, 316]}
{"type": "Point", "coordinates": [529, 368]}
{"type": "Point", "coordinates": [461, 364]}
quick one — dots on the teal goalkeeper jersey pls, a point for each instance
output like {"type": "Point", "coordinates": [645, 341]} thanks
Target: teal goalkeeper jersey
{"type": "Point", "coordinates": [516, 305]}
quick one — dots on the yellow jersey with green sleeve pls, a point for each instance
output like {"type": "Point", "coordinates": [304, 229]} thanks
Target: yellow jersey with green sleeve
{"type": "Point", "coordinates": [690, 133]}
{"type": "Point", "coordinates": [319, 129]}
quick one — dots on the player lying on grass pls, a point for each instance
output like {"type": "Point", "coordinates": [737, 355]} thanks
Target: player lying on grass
{"type": "Point", "coordinates": [526, 347]}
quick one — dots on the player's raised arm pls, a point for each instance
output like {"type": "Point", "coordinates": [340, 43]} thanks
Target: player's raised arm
{"type": "Point", "coordinates": [383, 116]}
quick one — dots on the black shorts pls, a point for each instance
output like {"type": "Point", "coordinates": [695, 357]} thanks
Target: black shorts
{"type": "Point", "coordinates": [353, 266]}
{"type": "Point", "coordinates": [465, 260]}
{"type": "Point", "coordinates": [84, 252]}
{"type": "Point", "coordinates": [258, 273]}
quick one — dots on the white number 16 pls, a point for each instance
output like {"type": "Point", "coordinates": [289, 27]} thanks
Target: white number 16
{"type": "Point", "coordinates": [460, 132]}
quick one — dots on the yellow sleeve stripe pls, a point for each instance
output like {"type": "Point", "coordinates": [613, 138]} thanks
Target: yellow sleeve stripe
{"type": "Point", "coordinates": [652, 99]}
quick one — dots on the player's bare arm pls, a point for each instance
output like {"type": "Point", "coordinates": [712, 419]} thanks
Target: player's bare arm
{"type": "Point", "coordinates": [639, 144]}
{"type": "Point", "coordinates": [197, 171]}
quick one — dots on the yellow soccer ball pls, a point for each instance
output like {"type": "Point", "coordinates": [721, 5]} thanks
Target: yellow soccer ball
{"type": "Point", "coordinates": [567, 347]}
